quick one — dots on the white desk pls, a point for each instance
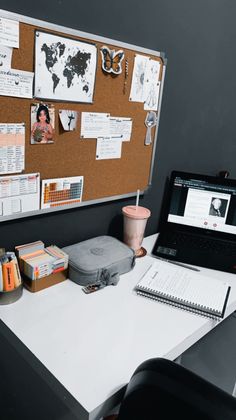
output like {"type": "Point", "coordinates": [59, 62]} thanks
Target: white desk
{"type": "Point", "coordinates": [93, 343]}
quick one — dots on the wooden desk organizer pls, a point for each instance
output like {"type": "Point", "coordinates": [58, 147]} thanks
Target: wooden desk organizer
{"type": "Point", "coordinates": [44, 282]}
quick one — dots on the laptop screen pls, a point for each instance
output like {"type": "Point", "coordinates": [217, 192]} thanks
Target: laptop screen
{"type": "Point", "coordinates": [203, 203]}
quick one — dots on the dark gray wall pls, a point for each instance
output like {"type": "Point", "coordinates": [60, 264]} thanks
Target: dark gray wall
{"type": "Point", "coordinates": [197, 133]}
{"type": "Point", "coordinates": [197, 127]}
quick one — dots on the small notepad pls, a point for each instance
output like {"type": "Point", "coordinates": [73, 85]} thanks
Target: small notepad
{"type": "Point", "coordinates": [184, 288]}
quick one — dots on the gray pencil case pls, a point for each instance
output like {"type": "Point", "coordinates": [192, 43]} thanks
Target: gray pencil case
{"type": "Point", "coordinates": [99, 261]}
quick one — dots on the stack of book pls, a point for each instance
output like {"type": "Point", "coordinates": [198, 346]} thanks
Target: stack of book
{"type": "Point", "coordinates": [10, 277]}
{"type": "Point", "coordinates": [36, 261]}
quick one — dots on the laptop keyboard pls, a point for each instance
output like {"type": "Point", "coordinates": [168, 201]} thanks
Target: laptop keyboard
{"type": "Point", "coordinates": [180, 239]}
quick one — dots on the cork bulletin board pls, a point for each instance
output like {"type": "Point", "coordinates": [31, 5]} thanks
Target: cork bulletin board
{"type": "Point", "coordinates": [70, 155]}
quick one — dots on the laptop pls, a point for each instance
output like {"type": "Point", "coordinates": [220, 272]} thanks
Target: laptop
{"type": "Point", "coordinates": [198, 222]}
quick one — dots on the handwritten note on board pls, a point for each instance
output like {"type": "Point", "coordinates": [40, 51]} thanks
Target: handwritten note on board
{"type": "Point", "coordinates": [108, 148]}
{"type": "Point", "coordinates": [9, 33]}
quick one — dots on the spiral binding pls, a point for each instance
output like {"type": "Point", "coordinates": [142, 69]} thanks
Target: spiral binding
{"type": "Point", "coordinates": [196, 310]}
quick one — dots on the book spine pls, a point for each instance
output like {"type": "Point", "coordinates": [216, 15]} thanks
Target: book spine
{"type": "Point", "coordinates": [57, 270]}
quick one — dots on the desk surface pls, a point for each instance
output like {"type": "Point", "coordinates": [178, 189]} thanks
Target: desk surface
{"type": "Point", "coordinates": [93, 343]}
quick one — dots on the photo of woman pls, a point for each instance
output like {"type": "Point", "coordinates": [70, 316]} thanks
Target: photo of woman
{"type": "Point", "coordinates": [42, 124]}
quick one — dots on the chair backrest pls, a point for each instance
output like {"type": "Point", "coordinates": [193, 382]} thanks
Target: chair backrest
{"type": "Point", "coordinates": [161, 389]}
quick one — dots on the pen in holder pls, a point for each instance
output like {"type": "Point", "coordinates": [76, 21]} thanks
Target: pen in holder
{"type": "Point", "coordinates": [10, 279]}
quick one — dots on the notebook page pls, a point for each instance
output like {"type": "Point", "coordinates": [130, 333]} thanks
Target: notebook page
{"type": "Point", "coordinates": [169, 280]}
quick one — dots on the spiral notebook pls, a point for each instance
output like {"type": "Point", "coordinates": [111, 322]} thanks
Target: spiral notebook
{"type": "Point", "coordinates": [185, 289]}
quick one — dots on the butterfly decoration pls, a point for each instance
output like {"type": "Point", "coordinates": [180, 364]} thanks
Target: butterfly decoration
{"type": "Point", "coordinates": [111, 60]}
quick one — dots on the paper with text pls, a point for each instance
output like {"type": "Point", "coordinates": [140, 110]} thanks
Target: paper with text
{"type": "Point", "coordinates": [95, 124]}
{"type": "Point", "coordinates": [182, 285]}
{"type": "Point", "coordinates": [5, 57]}
{"type": "Point", "coordinates": [121, 127]}
{"type": "Point", "coordinates": [16, 83]}
{"type": "Point", "coordinates": [61, 191]}
{"type": "Point", "coordinates": [108, 148]}
{"type": "Point", "coordinates": [9, 32]}
{"type": "Point", "coordinates": [12, 148]}
{"type": "Point", "coordinates": [19, 193]}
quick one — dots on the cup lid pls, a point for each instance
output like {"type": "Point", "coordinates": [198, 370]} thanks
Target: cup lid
{"type": "Point", "coordinates": [136, 212]}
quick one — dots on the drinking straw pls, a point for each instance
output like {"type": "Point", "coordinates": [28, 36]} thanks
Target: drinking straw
{"type": "Point", "coordinates": [137, 200]}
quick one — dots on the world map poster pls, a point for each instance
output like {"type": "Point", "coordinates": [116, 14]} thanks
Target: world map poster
{"type": "Point", "coordinates": [64, 68]}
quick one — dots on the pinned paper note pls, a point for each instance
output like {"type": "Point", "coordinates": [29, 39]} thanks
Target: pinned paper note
{"type": "Point", "coordinates": [108, 148]}
{"type": "Point", "coordinates": [19, 193]}
{"type": "Point", "coordinates": [61, 191]}
{"type": "Point", "coordinates": [17, 83]}
{"type": "Point", "coordinates": [121, 127]}
{"type": "Point", "coordinates": [95, 124]}
{"type": "Point", "coordinates": [12, 148]}
{"type": "Point", "coordinates": [5, 57]}
{"type": "Point", "coordinates": [152, 86]}
{"type": "Point", "coordinates": [138, 78]}
{"type": "Point", "coordinates": [152, 98]}
{"type": "Point", "coordinates": [68, 119]}
{"type": "Point", "coordinates": [9, 33]}
{"type": "Point", "coordinates": [145, 85]}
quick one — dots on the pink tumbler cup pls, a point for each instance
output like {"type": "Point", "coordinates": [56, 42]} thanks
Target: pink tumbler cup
{"type": "Point", "coordinates": [135, 220]}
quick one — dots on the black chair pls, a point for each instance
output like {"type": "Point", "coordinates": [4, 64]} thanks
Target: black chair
{"type": "Point", "coordinates": [163, 390]}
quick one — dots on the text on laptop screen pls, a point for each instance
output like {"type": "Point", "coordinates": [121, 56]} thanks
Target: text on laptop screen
{"type": "Point", "coordinates": [201, 204]}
